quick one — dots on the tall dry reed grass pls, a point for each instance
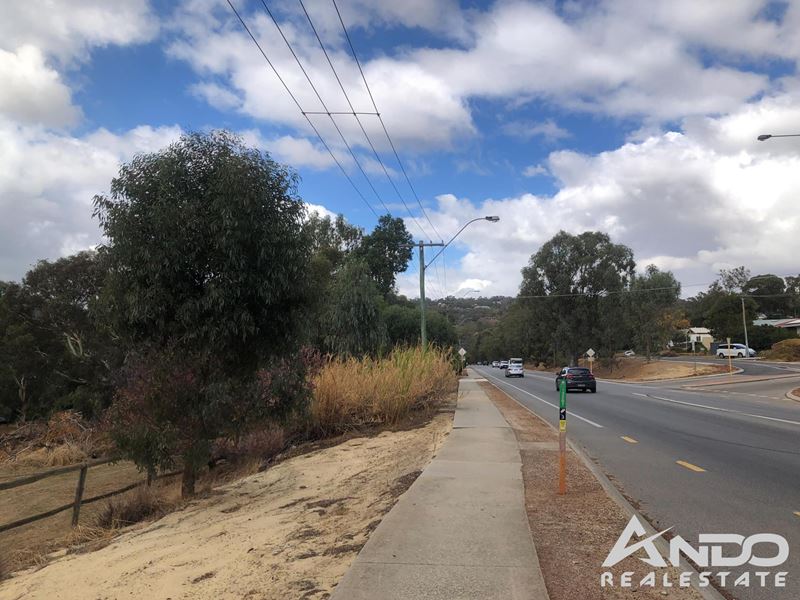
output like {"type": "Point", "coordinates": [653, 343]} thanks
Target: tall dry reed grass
{"type": "Point", "coordinates": [350, 392]}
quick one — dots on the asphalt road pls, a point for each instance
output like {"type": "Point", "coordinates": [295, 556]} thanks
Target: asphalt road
{"type": "Point", "coordinates": [739, 469]}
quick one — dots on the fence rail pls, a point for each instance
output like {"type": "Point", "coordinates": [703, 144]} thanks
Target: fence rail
{"type": "Point", "coordinates": [79, 500]}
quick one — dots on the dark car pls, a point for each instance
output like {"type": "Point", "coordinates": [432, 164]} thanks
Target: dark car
{"type": "Point", "coordinates": [577, 378]}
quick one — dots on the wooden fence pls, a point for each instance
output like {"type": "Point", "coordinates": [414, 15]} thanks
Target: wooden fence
{"type": "Point", "coordinates": [75, 505]}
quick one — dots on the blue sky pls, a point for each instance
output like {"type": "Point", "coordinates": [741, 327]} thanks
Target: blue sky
{"type": "Point", "coordinates": [638, 119]}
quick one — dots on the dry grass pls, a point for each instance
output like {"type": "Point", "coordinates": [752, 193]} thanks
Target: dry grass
{"type": "Point", "coordinates": [787, 350]}
{"type": "Point", "coordinates": [350, 393]}
{"type": "Point", "coordinates": [139, 504]}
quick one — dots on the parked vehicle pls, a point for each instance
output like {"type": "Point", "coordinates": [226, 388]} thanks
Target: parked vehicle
{"type": "Point", "coordinates": [734, 351]}
{"type": "Point", "coordinates": [515, 368]}
{"type": "Point", "coordinates": [503, 364]}
{"type": "Point", "coordinates": [577, 378]}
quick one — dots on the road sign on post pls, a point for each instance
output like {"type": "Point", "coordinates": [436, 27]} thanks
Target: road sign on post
{"type": "Point", "coordinates": [562, 437]}
{"type": "Point", "coordinates": [462, 353]}
{"type": "Point", "coordinates": [590, 357]}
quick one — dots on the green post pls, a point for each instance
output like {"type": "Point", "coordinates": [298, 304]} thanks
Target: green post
{"type": "Point", "coordinates": [423, 330]}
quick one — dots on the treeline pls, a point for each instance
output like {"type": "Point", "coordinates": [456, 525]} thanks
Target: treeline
{"type": "Point", "coordinates": [583, 291]}
{"type": "Point", "coordinates": [208, 308]}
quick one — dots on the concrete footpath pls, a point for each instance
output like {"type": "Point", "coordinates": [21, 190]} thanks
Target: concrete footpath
{"type": "Point", "coordinates": [460, 531]}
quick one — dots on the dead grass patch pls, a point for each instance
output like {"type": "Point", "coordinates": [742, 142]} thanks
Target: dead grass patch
{"type": "Point", "coordinates": [141, 503]}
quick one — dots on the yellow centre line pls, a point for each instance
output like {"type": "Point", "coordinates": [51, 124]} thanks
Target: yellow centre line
{"type": "Point", "coordinates": [630, 440]}
{"type": "Point", "coordinates": [690, 466]}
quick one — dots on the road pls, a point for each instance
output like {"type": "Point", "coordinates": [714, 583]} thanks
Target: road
{"type": "Point", "coordinates": [710, 461]}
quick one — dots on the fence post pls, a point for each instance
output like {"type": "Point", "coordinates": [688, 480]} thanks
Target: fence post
{"type": "Point", "coordinates": [76, 508]}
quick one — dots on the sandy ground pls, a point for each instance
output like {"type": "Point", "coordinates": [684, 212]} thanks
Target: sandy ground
{"type": "Point", "coordinates": [572, 533]}
{"type": "Point", "coordinates": [638, 369]}
{"type": "Point", "coordinates": [289, 532]}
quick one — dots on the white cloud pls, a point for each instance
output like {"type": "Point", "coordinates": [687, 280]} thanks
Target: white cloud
{"type": "Point", "coordinates": [534, 170]}
{"type": "Point", "coordinates": [691, 202]}
{"type": "Point", "coordinates": [39, 37]}
{"type": "Point", "coordinates": [32, 91]}
{"type": "Point", "coordinates": [68, 30]}
{"type": "Point", "coordinates": [547, 130]}
{"type": "Point", "coordinates": [650, 61]}
{"type": "Point", "coordinates": [47, 181]}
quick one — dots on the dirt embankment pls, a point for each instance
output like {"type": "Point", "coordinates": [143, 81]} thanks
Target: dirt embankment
{"type": "Point", "coordinates": [572, 533]}
{"type": "Point", "coordinates": [638, 369]}
{"type": "Point", "coordinates": [289, 532]}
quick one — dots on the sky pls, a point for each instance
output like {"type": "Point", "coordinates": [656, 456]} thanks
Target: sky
{"type": "Point", "coordinates": [634, 118]}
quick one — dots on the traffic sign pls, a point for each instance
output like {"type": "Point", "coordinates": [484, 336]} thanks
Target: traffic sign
{"type": "Point", "coordinates": [590, 353]}
{"type": "Point", "coordinates": [462, 352]}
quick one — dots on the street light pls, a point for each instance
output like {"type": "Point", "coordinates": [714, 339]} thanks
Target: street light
{"type": "Point", "coordinates": [765, 136]}
{"type": "Point", "coordinates": [423, 266]}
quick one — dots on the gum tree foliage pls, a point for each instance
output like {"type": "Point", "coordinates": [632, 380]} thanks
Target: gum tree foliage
{"type": "Point", "coordinates": [332, 241]}
{"type": "Point", "coordinates": [581, 277]}
{"type": "Point", "coordinates": [770, 295]}
{"type": "Point", "coordinates": [725, 316]}
{"type": "Point", "coordinates": [54, 354]}
{"type": "Point", "coordinates": [648, 308]}
{"type": "Point", "coordinates": [386, 251]}
{"type": "Point", "coordinates": [403, 324]}
{"type": "Point", "coordinates": [206, 285]}
{"type": "Point", "coordinates": [354, 324]}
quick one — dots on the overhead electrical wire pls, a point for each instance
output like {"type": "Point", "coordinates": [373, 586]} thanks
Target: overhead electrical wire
{"type": "Point", "coordinates": [300, 108]}
{"type": "Point", "coordinates": [358, 120]}
{"type": "Point", "coordinates": [386, 130]}
{"type": "Point", "coordinates": [325, 107]}
{"type": "Point", "coordinates": [380, 118]}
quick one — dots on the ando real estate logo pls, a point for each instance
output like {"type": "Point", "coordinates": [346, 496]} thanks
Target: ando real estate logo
{"type": "Point", "coordinates": [714, 553]}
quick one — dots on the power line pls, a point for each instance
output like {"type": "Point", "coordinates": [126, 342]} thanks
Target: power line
{"type": "Point", "coordinates": [324, 106]}
{"type": "Point", "coordinates": [380, 118]}
{"type": "Point", "coordinates": [300, 108]}
{"type": "Point", "coordinates": [358, 119]}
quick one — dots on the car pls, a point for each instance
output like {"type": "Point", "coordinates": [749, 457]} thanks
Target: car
{"type": "Point", "coordinates": [734, 351]}
{"type": "Point", "coordinates": [495, 364]}
{"type": "Point", "coordinates": [629, 353]}
{"type": "Point", "coordinates": [577, 378]}
{"type": "Point", "coordinates": [503, 364]}
{"type": "Point", "coordinates": [515, 368]}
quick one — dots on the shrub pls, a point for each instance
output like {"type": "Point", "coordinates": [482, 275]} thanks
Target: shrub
{"type": "Point", "coordinates": [350, 392]}
{"type": "Point", "coordinates": [256, 445]}
{"type": "Point", "coordinates": [141, 503]}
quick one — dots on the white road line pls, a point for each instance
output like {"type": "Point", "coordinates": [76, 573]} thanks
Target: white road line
{"type": "Point", "coordinates": [717, 408]}
{"type": "Point", "coordinates": [571, 413]}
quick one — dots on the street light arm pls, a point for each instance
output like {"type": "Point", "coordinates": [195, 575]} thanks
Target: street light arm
{"type": "Point", "coordinates": [765, 136]}
{"type": "Point", "coordinates": [492, 219]}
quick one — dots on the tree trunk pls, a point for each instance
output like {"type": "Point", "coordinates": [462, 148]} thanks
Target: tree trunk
{"type": "Point", "coordinates": [188, 479]}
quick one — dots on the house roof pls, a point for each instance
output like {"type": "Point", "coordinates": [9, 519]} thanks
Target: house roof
{"type": "Point", "coordinates": [793, 322]}
{"type": "Point", "coordinates": [700, 330]}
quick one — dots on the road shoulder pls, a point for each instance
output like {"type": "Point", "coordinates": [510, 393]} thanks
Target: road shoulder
{"type": "Point", "coordinates": [572, 533]}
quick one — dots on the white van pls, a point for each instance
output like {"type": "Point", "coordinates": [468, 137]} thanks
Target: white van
{"type": "Point", "coordinates": [734, 351]}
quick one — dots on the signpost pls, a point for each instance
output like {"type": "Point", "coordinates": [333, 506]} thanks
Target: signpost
{"type": "Point", "coordinates": [590, 355]}
{"type": "Point", "coordinates": [562, 437]}
{"type": "Point", "coordinates": [462, 353]}
{"type": "Point", "coordinates": [730, 361]}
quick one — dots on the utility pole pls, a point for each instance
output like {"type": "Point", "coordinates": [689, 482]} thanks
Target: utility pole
{"type": "Point", "coordinates": [744, 322]}
{"type": "Point", "coordinates": [422, 267]}
{"type": "Point", "coordinates": [422, 325]}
